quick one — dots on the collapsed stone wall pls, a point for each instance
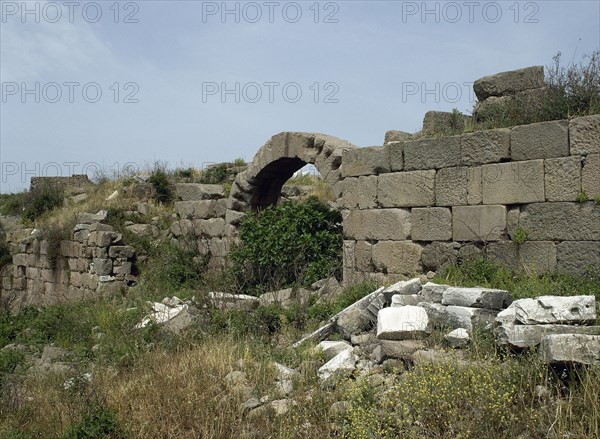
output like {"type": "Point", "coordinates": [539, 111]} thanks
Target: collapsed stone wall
{"type": "Point", "coordinates": [74, 181]}
{"type": "Point", "coordinates": [514, 195]}
{"type": "Point", "coordinates": [93, 262]}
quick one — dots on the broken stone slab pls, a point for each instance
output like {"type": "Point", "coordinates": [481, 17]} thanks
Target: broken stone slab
{"type": "Point", "coordinates": [556, 309]}
{"type": "Point", "coordinates": [318, 334]}
{"type": "Point", "coordinates": [285, 298]}
{"type": "Point", "coordinates": [405, 287]}
{"type": "Point", "coordinates": [477, 297]}
{"type": "Point", "coordinates": [466, 317]}
{"type": "Point", "coordinates": [180, 322]}
{"type": "Point", "coordinates": [433, 292]}
{"type": "Point", "coordinates": [90, 218]}
{"type": "Point", "coordinates": [342, 364]}
{"type": "Point", "coordinates": [436, 356]}
{"type": "Point", "coordinates": [509, 83]}
{"type": "Point", "coordinates": [284, 372]}
{"type": "Point", "coordinates": [241, 302]}
{"type": "Point", "coordinates": [397, 349]}
{"type": "Point", "coordinates": [161, 313]}
{"type": "Point", "coordinates": [571, 348]}
{"type": "Point", "coordinates": [403, 300]}
{"type": "Point", "coordinates": [354, 321]}
{"type": "Point", "coordinates": [528, 336]}
{"type": "Point", "coordinates": [197, 191]}
{"type": "Point", "coordinates": [407, 322]}
{"type": "Point", "coordinates": [458, 338]}
{"type": "Point", "coordinates": [331, 348]}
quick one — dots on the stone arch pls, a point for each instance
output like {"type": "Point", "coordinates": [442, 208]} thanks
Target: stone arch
{"type": "Point", "coordinates": [276, 161]}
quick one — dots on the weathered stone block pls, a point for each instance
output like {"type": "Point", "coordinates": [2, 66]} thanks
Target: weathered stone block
{"type": "Point", "coordinates": [396, 156]}
{"type": "Point", "coordinates": [442, 122]}
{"type": "Point", "coordinates": [432, 153]}
{"type": "Point", "coordinates": [70, 249]}
{"type": "Point", "coordinates": [590, 176]}
{"type": "Point", "coordinates": [513, 183]}
{"type": "Point", "coordinates": [331, 348]}
{"type": "Point", "coordinates": [527, 336]}
{"type": "Point", "coordinates": [377, 224]}
{"type": "Point", "coordinates": [571, 348]}
{"type": "Point", "coordinates": [478, 223]}
{"type": "Point", "coordinates": [210, 227]}
{"type": "Point", "coordinates": [360, 193]}
{"type": "Point", "coordinates": [489, 146]}
{"type": "Point", "coordinates": [406, 189]}
{"type": "Point", "coordinates": [477, 297]}
{"type": "Point", "coordinates": [572, 310]}
{"type": "Point", "coordinates": [400, 257]}
{"type": "Point", "coordinates": [402, 323]}
{"type": "Point", "coordinates": [433, 292]}
{"type": "Point", "coordinates": [102, 267]}
{"type": "Point", "coordinates": [508, 83]}
{"type": "Point", "coordinates": [584, 134]}
{"type": "Point", "coordinates": [366, 161]}
{"type": "Point", "coordinates": [121, 251]}
{"type": "Point", "coordinates": [396, 136]}
{"type": "Point", "coordinates": [101, 239]}
{"type": "Point", "coordinates": [540, 140]}
{"type": "Point", "coordinates": [431, 224]}
{"type": "Point", "coordinates": [439, 255]}
{"type": "Point", "coordinates": [577, 257]}
{"type": "Point", "coordinates": [362, 256]}
{"type": "Point", "coordinates": [197, 191]}
{"type": "Point", "coordinates": [458, 186]}
{"type": "Point", "coordinates": [563, 178]}
{"type": "Point", "coordinates": [466, 317]}
{"type": "Point", "coordinates": [534, 256]}
{"type": "Point", "coordinates": [202, 209]}
{"type": "Point", "coordinates": [561, 221]}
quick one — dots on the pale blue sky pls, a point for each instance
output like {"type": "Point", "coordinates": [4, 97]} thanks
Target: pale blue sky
{"type": "Point", "coordinates": [374, 52]}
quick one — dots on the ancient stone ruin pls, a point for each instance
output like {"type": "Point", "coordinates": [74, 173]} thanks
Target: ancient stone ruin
{"type": "Point", "coordinates": [521, 196]}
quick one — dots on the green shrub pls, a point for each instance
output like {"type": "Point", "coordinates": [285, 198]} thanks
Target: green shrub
{"type": "Point", "coordinates": [96, 423]}
{"type": "Point", "coordinates": [520, 235]}
{"type": "Point", "coordinates": [164, 191]}
{"type": "Point", "coordinates": [282, 245]}
{"type": "Point", "coordinates": [5, 256]}
{"type": "Point", "coordinates": [44, 198]}
{"type": "Point", "coordinates": [13, 204]}
{"type": "Point", "coordinates": [215, 174]}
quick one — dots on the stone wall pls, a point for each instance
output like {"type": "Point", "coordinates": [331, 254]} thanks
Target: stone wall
{"type": "Point", "coordinates": [93, 262]}
{"type": "Point", "coordinates": [515, 195]}
{"type": "Point", "coordinates": [74, 181]}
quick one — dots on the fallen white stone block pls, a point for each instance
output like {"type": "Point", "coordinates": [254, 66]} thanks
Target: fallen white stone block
{"type": "Point", "coordinates": [402, 323]}
{"type": "Point", "coordinates": [342, 363]}
{"type": "Point", "coordinates": [457, 338]}
{"type": "Point", "coordinates": [331, 348]}
{"type": "Point", "coordinates": [556, 309]}
{"type": "Point", "coordinates": [571, 348]}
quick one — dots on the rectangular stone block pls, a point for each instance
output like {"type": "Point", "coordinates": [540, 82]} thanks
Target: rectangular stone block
{"type": "Point", "coordinates": [489, 298]}
{"type": "Point", "coordinates": [366, 161]}
{"type": "Point", "coordinates": [363, 256]}
{"type": "Point", "coordinates": [540, 140]}
{"type": "Point", "coordinates": [396, 156]}
{"type": "Point", "coordinates": [197, 191]}
{"type": "Point", "coordinates": [348, 259]}
{"type": "Point", "coordinates": [561, 221]}
{"type": "Point", "coordinates": [489, 146]}
{"type": "Point", "coordinates": [537, 257]}
{"type": "Point", "coordinates": [406, 189]}
{"type": "Point", "coordinates": [458, 186]}
{"type": "Point", "coordinates": [590, 176]}
{"type": "Point", "coordinates": [202, 209]}
{"type": "Point", "coordinates": [584, 135]}
{"type": "Point", "coordinates": [431, 224]}
{"type": "Point", "coordinates": [578, 257]}
{"type": "Point", "coordinates": [513, 183]}
{"type": "Point", "coordinates": [209, 227]}
{"type": "Point", "coordinates": [562, 178]}
{"type": "Point", "coordinates": [571, 348]}
{"type": "Point", "coordinates": [377, 224]}
{"type": "Point", "coordinates": [478, 223]}
{"type": "Point", "coordinates": [400, 257]}
{"type": "Point", "coordinates": [433, 153]}
{"type": "Point", "coordinates": [360, 192]}
{"type": "Point", "coordinates": [527, 336]}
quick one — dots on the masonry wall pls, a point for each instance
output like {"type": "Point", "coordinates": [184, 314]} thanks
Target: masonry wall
{"type": "Point", "coordinates": [94, 262]}
{"type": "Point", "coordinates": [417, 205]}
